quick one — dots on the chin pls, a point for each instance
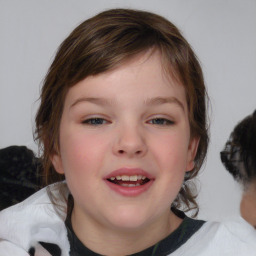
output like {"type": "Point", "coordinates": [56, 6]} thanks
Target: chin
{"type": "Point", "coordinates": [129, 219]}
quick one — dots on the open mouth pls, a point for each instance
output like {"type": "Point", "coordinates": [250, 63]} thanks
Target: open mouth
{"type": "Point", "coordinates": [129, 181]}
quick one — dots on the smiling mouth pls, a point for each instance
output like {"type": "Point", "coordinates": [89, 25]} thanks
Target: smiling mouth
{"type": "Point", "coordinates": [129, 181]}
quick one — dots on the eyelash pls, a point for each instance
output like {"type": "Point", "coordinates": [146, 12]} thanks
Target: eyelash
{"type": "Point", "coordinates": [97, 121]}
{"type": "Point", "coordinates": [94, 121]}
{"type": "Point", "coordinates": [161, 121]}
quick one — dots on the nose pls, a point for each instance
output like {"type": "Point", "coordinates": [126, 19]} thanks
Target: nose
{"type": "Point", "coordinates": [130, 142]}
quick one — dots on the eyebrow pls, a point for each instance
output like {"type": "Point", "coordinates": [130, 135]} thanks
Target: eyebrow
{"type": "Point", "coordinates": [97, 101]}
{"type": "Point", "coordinates": [148, 102]}
{"type": "Point", "coordinates": [164, 100]}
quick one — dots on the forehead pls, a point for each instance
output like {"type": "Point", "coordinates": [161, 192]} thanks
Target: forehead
{"type": "Point", "coordinates": [139, 79]}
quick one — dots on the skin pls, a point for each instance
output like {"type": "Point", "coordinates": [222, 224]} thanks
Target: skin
{"type": "Point", "coordinates": [142, 122]}
{"type": "Point", "coordinates": [248, 204]}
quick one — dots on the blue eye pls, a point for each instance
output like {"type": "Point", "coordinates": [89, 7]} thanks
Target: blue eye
{"type": "Point", "coordinates": [161, 121]}
{"type": "Point", "coordinates": [95, 121]}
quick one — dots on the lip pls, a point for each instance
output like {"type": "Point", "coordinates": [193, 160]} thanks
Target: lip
{"type": "Point", "coordinates": [129, 191]}
{"type": "Point", "coordinates": [129, 172]}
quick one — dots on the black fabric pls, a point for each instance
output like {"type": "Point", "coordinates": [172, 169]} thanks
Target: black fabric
{"type": "Point", "coordinates": [19, 176]}
{"type": "Point", "coordinates": [166, 246]}
{"type": "Point", "coordinates": [32, 251]}
{"type": "Point", "coordinates": [52, 249]}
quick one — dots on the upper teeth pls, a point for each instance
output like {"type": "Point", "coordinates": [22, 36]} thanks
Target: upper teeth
{"type": "Point", "coordinates": [129, 178]}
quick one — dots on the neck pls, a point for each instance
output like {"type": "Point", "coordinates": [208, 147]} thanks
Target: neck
{"type": "Point", "coordinates": [107, 240]}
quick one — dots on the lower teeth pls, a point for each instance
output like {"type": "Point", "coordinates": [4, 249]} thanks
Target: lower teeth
{"type": "Point", "coordinates": [130, 185]}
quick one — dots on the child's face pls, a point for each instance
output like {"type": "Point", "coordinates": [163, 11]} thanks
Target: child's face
{"type": "Point", "coordinates": [129, 123]}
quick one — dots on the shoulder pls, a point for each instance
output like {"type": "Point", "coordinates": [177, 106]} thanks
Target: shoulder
{"type": "Point", "coordinates": [232, 238]}
{"type": "Point", "coordinates": [33, 220]}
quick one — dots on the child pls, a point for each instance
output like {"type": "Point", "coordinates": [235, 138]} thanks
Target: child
{"type": "Point", "coordinates": [123, 129]}
{"type": "Point", "coordinates": [239, 158]}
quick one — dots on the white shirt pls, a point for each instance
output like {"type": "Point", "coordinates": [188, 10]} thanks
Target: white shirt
{"type": "Point", "coordinates": [36, 219]}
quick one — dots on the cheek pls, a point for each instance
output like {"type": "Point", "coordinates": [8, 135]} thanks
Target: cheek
{"type": "Point", "coordinates": [171, 150]}
{"type": "Point", "coordinates": [82, 158]}
{"type": "Point", "coordinates": [81, 152]}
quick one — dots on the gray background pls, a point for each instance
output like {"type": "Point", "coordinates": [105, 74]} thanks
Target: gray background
{"type": "Point", "coordinates": [222, 33]}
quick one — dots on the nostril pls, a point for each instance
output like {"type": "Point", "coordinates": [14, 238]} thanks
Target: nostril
{"type": "Point", "coordinates": [130, 152]}
{"type": "Point", "coordinates": [121, 152]}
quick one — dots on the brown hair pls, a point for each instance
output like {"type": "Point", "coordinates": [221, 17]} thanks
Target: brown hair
{"type": "Point", "coordinates": [104, 42]}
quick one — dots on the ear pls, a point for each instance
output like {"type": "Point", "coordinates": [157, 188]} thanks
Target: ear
{"type": "Point", "coordinates": [192, 150]}
{"type": "Point", "coordinates": [57, 163]}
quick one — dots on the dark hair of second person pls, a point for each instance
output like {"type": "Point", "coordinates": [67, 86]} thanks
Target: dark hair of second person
{"type": "Point", "coordinates": [239, 158]}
